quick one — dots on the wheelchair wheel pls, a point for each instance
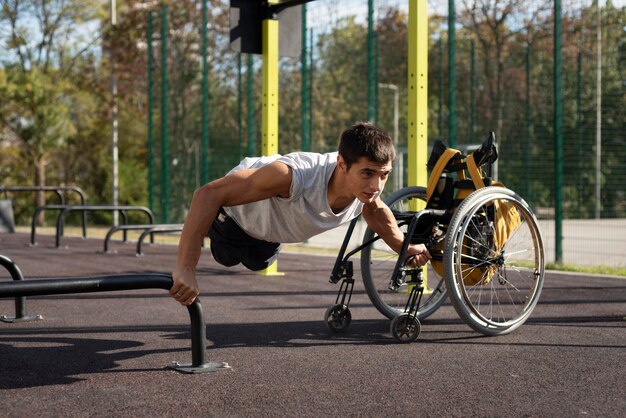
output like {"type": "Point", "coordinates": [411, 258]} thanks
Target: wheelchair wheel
{"type": "Point", "coordinates": [494, 278]}
{"type": "Point", "coordinates": [378, 262]}
{"type": "Point", "coordinates": [337, 318]}
{"type": "Point", "coordinates": [405, 328]}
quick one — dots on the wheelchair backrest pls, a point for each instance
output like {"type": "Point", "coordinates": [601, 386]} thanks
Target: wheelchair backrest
{"type": "Point", "coordinates": [445, 191]}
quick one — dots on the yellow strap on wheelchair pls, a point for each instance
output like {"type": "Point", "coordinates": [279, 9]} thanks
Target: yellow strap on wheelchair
{"type": "Point", "coordinates": [448, 154]}
{"type": "Point", "coordinates": [474, 172]}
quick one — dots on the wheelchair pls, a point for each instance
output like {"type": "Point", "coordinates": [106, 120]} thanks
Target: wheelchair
{"type": "Point", "coordinates": [486, 247]}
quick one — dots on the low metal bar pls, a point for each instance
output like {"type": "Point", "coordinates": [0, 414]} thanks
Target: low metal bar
{"type": "Point", "coordinates": [121, 282]}
{"type": "Point", "coordinates": [141, 227]}
{"type": "Point", "coordinates": [124, 222]}
{"type": "Point", "coordinates": [94, 208]}
{"type": "Point", "coordinates": [57, 190]}
{"type": "Point", "coordinates": [116, 228]}
{"type": "Point", "coordinates": [20, 301]}
{"type": "Point", "coordinates": [33, 225]}
{"type": "Point", "coordinates": [164, 229]}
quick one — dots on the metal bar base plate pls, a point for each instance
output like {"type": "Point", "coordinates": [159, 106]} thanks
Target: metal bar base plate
{"type": "Point", "coordinates": [14, 320]}
{"type": "Point", "coordinates": [212, 366]}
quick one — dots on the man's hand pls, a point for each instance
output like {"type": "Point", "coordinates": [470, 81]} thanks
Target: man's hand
{"type": "Point", "coordinates": [418, 255]}
{"type": "Point", "coordinates": [185, 287]}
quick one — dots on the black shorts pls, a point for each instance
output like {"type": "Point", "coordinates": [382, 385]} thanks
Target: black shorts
{"type": "Point", "coordinates": [231, 245]}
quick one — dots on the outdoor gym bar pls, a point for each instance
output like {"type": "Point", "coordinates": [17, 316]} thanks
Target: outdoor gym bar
{"type": "Point", "coordinates": [58, 190]}
{"type": "Point", "coordinates": [38, 287]}
{"type": "Point", "coordinates": [150, 229]}
{"type": "Point", "coordinates": [20, 301]}
{"type": "Point", "coordinates": [157, 229]}
{"type": "Point", "coordinates": [64, 210]}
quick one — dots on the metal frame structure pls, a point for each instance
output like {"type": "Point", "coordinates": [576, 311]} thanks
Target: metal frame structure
{"type": "Point", "coordinates": [144, 227]}
{"type": "Point", "coordinates": [48, 286]}
{"type": "Point", "coordinates": [20, 301]}
{"type": "Point", "coordinates": [157, 229]}
{"type": "Point", "coordinates": [65, 209]}
{"type": "Point", "coordinates": [56, 189]}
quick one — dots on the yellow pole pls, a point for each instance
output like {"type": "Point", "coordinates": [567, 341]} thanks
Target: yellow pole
{"type": "Point", "coordinates": [418, 101]}
{"type": "Point", "coordinates": [418, 94]}
{"type": "Point", "coordinates": [270, 87]}
{"type": "Point", "coordinates": [270, 101]}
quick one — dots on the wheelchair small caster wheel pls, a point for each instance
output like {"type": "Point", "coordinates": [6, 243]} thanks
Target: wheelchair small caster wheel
{"type": "Point", "coordinates": [405, 328]}
{"type": "Point", "coordinates": [337, 318]}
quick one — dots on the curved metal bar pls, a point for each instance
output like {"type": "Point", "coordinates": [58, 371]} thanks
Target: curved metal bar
{"type": "Point", "coordinates": [93, 208]}
{"type": "Point", "coordinates": [124, 222]}
{"type": "Point", "coordinates": [37, 287]}
{"type": "Point", "coordinates": [55, 189]}
{"type": "Point", "coordinates": [114, 229]}
{"type": "Point", "coordinates": [33, 226]}
{"type": "Point", "coordinates": [157, 229]}
{"type": "Point", "coordinates": [20, 301]}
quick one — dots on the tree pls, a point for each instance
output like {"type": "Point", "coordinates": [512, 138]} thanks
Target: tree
{"type": "Point", "coordinates": [44, 43]}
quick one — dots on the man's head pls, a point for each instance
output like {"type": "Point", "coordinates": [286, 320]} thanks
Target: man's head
{"type": "Point", "coordinates": [365, 139]}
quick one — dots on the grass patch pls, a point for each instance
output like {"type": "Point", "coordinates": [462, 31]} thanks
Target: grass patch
{"type": "Point", "coordinates": [603, 270]}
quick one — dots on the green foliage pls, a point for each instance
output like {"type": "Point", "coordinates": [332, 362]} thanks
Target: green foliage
{"type": "Point", "coordinates": [55, 100]}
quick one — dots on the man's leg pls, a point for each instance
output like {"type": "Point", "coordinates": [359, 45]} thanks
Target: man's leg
{"type": "Point", "coordinates": [260, 255]}
{"type": "Point", "coordinates": [231, 245]}
{"type": "Point", "coordinates": [226, 248]}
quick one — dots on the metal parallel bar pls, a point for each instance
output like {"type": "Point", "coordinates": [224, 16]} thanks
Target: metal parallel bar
{"type": "Point", "coordinates": [93, 208]}
{"type": "Point", "coordinates": [154, 230]}
{"type": "Point", "coordinates": [33, 225]}
{"type": "Point", "coordinates": [124, 222]}
{"type": "Point", "coordinates": [121, 282]}
{"type": "Point", "coordinates": [114, 229]}
{"type": "Point", "coordinates": [56, 190]}
{"type": "Point", "coordinates": [20, 301]}
{"type": "Point", "coordinates": [85, 284]}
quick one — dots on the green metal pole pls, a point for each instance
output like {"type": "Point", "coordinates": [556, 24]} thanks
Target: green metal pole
{"type": "Point", "coordinates": [304, 111]}
{"type": "Point", "coordinates": [376, 64]}
{"type": "Point", "coordinates": [250, 103]}
{"type": "Point", "coordinates": [311, 92]}
{"type": "Point", "coordinates": [451, 75]}
{"type": "Point", "coordinates": [205, 97]}
{"type": "Point", "coordinates": [440, 88]}
{"type": "Point", "coordinates": [239, 108]}
{"type": "Point", "coordinates": [472, 93]}
{"type": "Point", "coordinates": [150, 116]}
{"type": "Point", "coordinates": [371, 105]}
{"type": "Point", "coordinates": [165, 152]}
{"type": "Point", "coordinates": [579, 130]}
{"type": "Point", "coordinates": [558, 134]}
{"type": "Point", "coordinates": [527, 125]}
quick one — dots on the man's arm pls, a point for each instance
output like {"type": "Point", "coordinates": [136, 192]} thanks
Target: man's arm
{"type": "Point", "coordinates": [381, 220]}
{"type": "Point", "coordinates": [244, 186]}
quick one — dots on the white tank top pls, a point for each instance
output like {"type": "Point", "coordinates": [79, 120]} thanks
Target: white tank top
{"type": "Point", "coordinates": [306, 212]}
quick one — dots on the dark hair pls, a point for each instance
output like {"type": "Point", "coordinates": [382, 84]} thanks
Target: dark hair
{"type": "Point", "coordinates": [364, 139]}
